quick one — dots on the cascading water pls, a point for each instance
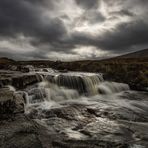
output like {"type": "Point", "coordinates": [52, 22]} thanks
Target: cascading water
{"type": "Point", "coordinates": [84, 83]}
{"type": "Point", "coordinates": [57, 87]}
{"type": "Point", "coordinates": [112, 87]}
{"type": "Point", "coordinates": [83, 106]}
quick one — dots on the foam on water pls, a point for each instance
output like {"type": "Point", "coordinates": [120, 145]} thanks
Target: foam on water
{"type": "Point", "coordinates": [112, 87]}
{"type": "Point", "coordinates": [57, 88]}
{"type": "Point", "coordinates": [63, 92]}
{"type": "Point", "coordinates": [11, 88]}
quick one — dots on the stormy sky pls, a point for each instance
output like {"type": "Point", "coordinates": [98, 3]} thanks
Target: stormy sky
{"type": "Point", "coordinates": [72, 29]}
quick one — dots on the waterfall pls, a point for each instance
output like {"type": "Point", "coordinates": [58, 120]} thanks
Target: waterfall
{"type": "Point", "coordinates": [55, 87]}
{"type": "Point", "coordinates": [46, 91]}
{"type": "Point", "coordinates": [84, 83]}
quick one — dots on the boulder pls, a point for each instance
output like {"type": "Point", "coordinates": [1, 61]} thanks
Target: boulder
{"type": "Point", "coordinates": [10, 102]}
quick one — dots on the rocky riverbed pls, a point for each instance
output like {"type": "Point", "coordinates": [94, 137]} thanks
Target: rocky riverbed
{"type": "Point", "coordinates": [35, 113]}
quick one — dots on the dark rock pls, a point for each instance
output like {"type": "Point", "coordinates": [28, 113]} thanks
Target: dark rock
{"type": "Point", "coordinates": [18, 79]}
{"type": "Point", "coordinates": [23, 81]}
{"type": "Point", "coordinates": [73, 112]}
{"type": "Point", "coordinates": [88, 144]}
{"type": "Point", "coordinates": [12, 67]}
{"type": "Point", "coordinates": [10, 102]}
{"type": "Point", "coordinates": [23, 69]}
{"type": "Point", "coordinates": [1, 84]}
{"type": "Point", "coordinates": [5, 81]}
{"type": "Point", "coordinates": [73, 126]}
{"type": "Point", "coordinates": [21, 132]}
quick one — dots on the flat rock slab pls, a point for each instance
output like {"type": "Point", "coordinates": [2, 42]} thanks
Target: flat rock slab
{"type": "Point", "coordinates": [81, 126]}
{"type": "Point", "coordinates": [72, 126]}
{"type": "Point", "coordinates": [22, 132]}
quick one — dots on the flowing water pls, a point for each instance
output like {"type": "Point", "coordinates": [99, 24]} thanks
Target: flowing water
{"type": "Point", "coordinates": [56, 88]}
{"type": "Point", "coordinates": [64, 97]}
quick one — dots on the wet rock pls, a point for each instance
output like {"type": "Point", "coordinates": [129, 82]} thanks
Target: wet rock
{"type": "Point", "coordinates": [17, 79]}
{"type": "Point", "coordinates": [72, 126]}
{"type": "Point", "coordinates": [45, 70]}
{"type": "Point", "coordinates": [19, 103]}
{"type": "Point", "coordinates": [23, 69]}
{"type": "Point", "coordinates": [20, 132]}
{"type": "Point", "coordinates": [88, 144]}
{"type": "Point", "coordinates": [6, 101]}
{"type": "Point", "coordinates": [1, 84]}
{"type": "Point", "coordinates": [73, 112]}
{"type": "Point", "coordinates": [12, 67]}
{"type": "Point", "coordinates": [5, 81]}
{"type": "Point", "coordinates": [81, 125]}
{"type": "Point", "coordinates": [10, 102]}
{"type": "Point", "coordinates": [23, 81]}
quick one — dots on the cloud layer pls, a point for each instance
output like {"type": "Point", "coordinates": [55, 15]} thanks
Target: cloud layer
{"type": "Point", "coordinates": [72, 29]}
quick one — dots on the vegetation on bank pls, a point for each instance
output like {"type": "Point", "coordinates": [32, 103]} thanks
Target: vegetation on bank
{"type": "Point", "coordinates": [131, 71]}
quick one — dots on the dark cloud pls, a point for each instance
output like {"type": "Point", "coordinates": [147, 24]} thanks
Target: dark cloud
{"type": "Point", "coordinates": [22, 17]}
{"type": "Point", "coordinates": [23, 56]}
{"type": "Point", "coordinates": [119, 39]}
{"type": "Point", "coordinates": [50, 26]}
{"type": "Point", "coordinates": [88, 4]}
{"type": "Point", "coordinates": [125, 35]}
{"type": "Point", "coordinates": [123, 13]}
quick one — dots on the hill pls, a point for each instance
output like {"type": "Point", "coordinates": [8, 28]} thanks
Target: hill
{"type": "Point", "coordinates": [138, 54]}
{"type": "Point", "coordinates": [4, 60]}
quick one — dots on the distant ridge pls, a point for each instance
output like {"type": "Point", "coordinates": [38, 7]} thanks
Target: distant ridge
{"type": "Point", "coordinates": [4, 60]}
{"type": "Point", "coordinates": [138, 54]}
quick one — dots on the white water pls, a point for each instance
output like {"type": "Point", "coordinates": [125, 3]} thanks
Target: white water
{"type": "Point", "coordinates": [109, 103]}
{"type": "Point", "coordinates": [57, 88]}
{"type": "Point", "coordinates": [112, 87]}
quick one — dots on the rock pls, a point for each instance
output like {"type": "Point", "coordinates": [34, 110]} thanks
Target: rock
{"type": "Point", "coordinates": [74, 112]}
{"type": "Point", "coordinates": [70, 126]}
{"type": "Point", "coordinates": [10, 102]}
{"type": "Point", "coordinates": [6, 101]}
{"type": "Point", "coordinates": [23, 69]}
{"type": "Point", "coordinates": [20, 132]}
{"type": "Point", "coordinates": [18, 79]}
{"type": "Point", "coordinates": [45, 70]}
{"type": "Point", "coordinates": [5, 81]}
{"type": "Point", "coordinates": [1, 84]}
{"type": "Point", "coordinates": [19, 103]}
{"type": "Point", "coordinates": [24, 80]}
{"type": "Point", "coordinates": [12, 67]}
